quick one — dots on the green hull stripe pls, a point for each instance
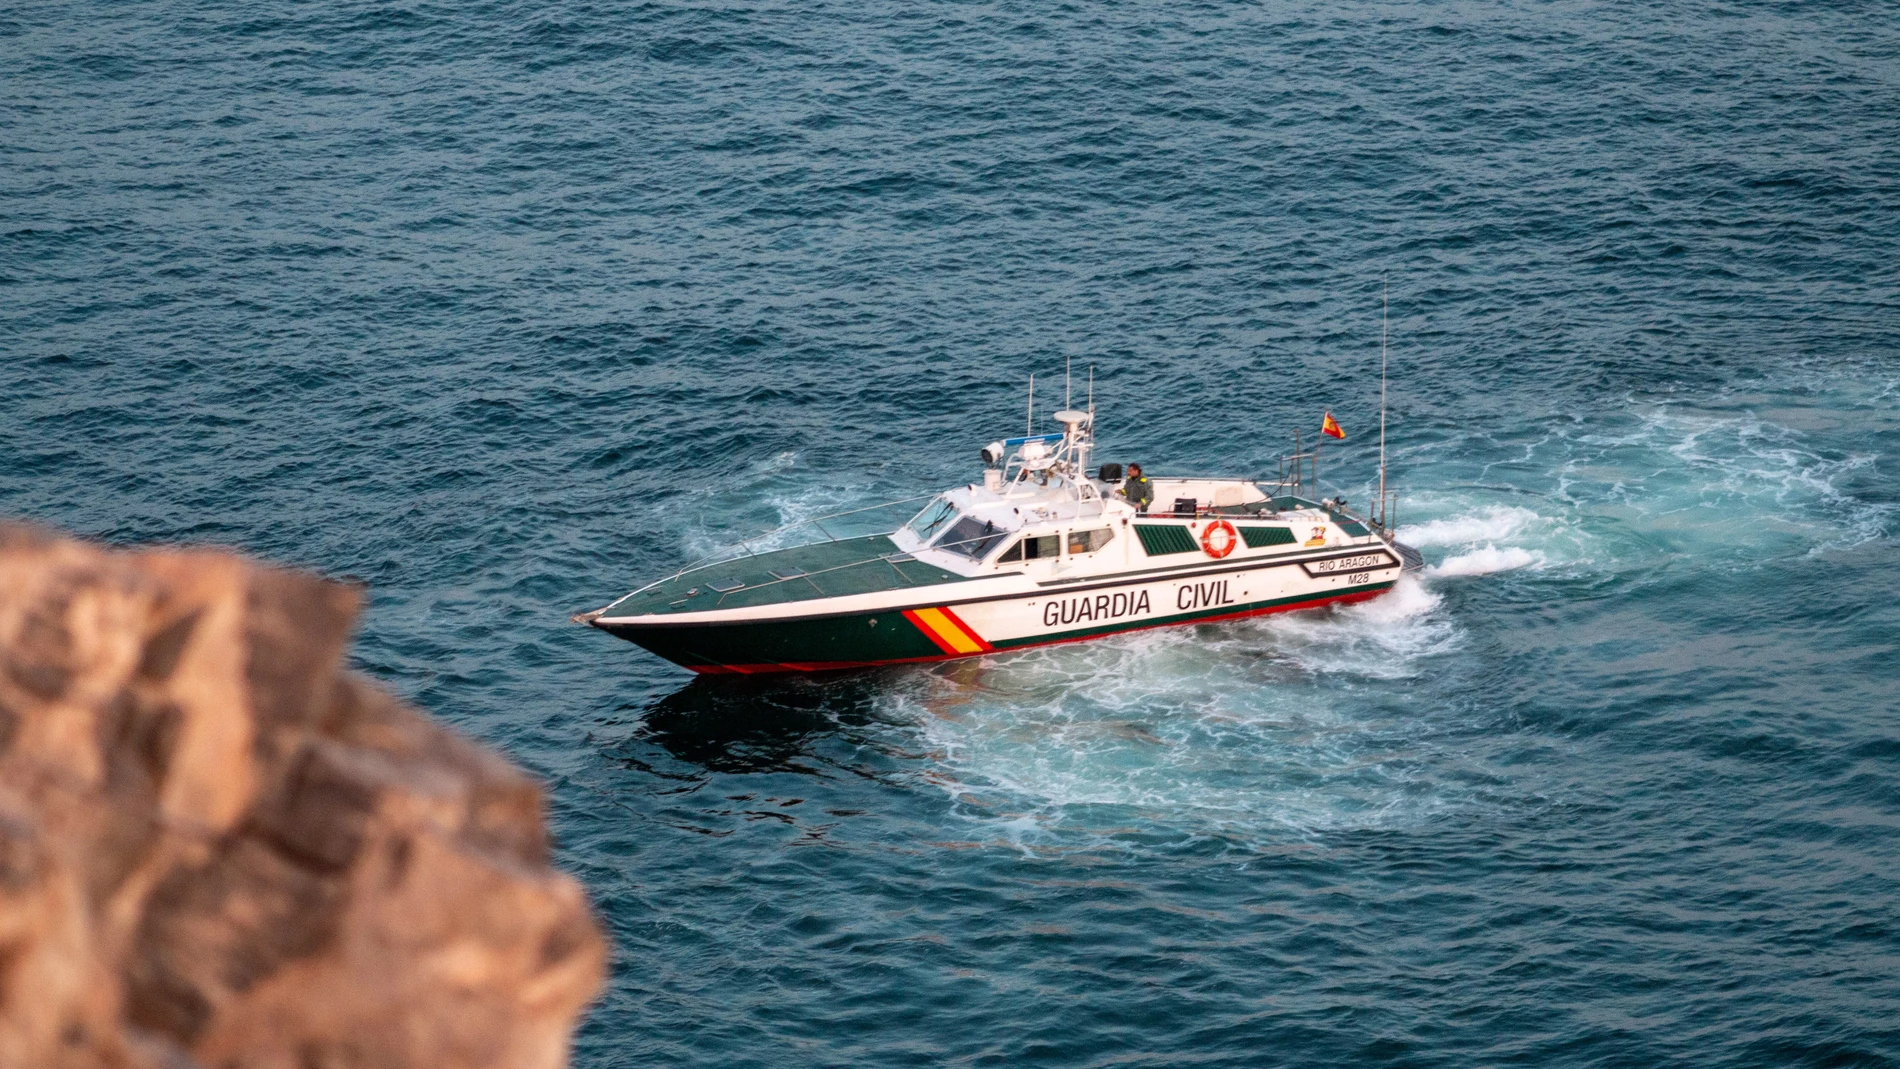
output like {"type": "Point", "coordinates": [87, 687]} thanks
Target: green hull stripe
{"type": "Point", "coordinates": [837, 638]}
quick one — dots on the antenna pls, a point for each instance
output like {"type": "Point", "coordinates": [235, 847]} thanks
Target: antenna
{"type": "Point", "coordinates": [1091, 393]}
{"type": "Point", "coordinates": [1068, 362]}
{"type": "Point", "coordinates": [1385, 314]}
{"type": "Point", "coordinates": [1032, 406]}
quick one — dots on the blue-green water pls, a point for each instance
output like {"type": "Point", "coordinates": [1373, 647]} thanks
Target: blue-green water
{"type": "Point", "coordinates": [507, 307]}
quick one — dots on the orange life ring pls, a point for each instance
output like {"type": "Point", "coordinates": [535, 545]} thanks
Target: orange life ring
{"type": "Point", "coordinates": [1230, 538]}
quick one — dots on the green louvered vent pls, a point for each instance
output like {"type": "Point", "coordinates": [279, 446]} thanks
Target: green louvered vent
{"type": "Point", "coordinates": [1160, 540]}
{"type": "Point", "coordinates": [1261, 537]}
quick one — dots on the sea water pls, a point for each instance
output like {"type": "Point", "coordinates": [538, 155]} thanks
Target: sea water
{"type": "Point", "coordinates": [507, 308]}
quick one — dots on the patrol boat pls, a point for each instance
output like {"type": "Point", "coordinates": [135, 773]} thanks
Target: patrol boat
{"type": "Point", "coordinates": [1038, 552]}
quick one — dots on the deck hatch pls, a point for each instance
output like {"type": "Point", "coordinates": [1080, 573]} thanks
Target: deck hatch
{"type": "Point", "coordinates": [726, 586]}
{"type": "Point", "coordinates": [1262, 537]}
{"type": "Point", "coordinates": [786, 573]}
{"type": "Point", "coordinates": [1159, 540]}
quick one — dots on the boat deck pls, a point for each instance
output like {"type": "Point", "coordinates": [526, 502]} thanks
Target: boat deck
{"type": "Point", "coordinates": [862, 565]}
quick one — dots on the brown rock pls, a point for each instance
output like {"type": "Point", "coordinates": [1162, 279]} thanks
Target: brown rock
{"type": "Point", "coordinates": [218, 849]}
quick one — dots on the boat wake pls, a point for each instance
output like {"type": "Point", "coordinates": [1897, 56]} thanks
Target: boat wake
{"type": "Point", "coordinates": [1252, 734]}
{"type": "Point", "coordinates": [1248, 734]}
{"type": "Point", "coordinates": [1487, 560]}
{"type": "Point", "coordinates": [1300, 726]}
{"type": "Point", "coordinates": [1492, 523]}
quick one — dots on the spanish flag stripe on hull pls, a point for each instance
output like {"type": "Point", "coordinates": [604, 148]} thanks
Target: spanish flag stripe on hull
{"type": "Point", "coordinates": [950, 633]}
{"type": "Point", "coordinates": [968, 631]}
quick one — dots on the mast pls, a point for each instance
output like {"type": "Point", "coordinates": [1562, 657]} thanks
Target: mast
{"type": "Point", "coordinates": [1385, 314]}
{"type": "Point", "coordinates": [1030, 426]}
{"type": "Point", "coordinates": [1083, 465]}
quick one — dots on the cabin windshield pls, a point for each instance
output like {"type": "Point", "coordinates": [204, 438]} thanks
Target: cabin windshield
{"type": "Point", "coordinates": [972, 538]}
{"type": "Point", "coordinates": [932, 519]}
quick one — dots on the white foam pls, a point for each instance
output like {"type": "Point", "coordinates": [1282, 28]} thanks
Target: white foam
{"type": "Point", "coordinates": [1389, 637]}
{"type": "Point", "coordinates": [1489, 524]}
{"type": "Point", "coordinates": [1408, 600]}
{"type": "Point", "coordinates": [1251, 732]}
{"type": "Point", "coordinates": [1730, 488]}
{"type": "Point", "coordinates": [1487, 560]}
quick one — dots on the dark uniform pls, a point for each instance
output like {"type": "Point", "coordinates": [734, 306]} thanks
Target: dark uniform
{"type": "Point", "coordinates": [1139, 492]}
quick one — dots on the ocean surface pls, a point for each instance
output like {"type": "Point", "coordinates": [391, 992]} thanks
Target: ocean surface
{"type": "Point", "coordinates": [506, 308]}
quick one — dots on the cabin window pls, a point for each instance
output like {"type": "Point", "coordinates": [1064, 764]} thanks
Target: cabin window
{"type": "Point", "coordinates": [971, 537]}
{"type": "Point", "coordinates": [932, 519]}
{"type": "Point", "coordinates": [1089, 541]}
{"type": "Point", "coordinates": [1030, 547]}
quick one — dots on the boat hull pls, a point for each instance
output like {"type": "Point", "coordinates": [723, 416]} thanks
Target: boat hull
{"type": "Point", "coordinates": [943, 630]}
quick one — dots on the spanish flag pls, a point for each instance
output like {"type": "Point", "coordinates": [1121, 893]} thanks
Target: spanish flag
{"type": "Point", "coordinates": [1330, 428]}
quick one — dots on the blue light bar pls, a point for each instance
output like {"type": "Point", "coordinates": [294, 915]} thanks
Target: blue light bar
{"type": "Point", "coordinates": [1011, 443]}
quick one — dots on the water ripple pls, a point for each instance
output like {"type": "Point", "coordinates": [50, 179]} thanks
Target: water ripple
{"type": "Point", "coordinates": [506, 309]}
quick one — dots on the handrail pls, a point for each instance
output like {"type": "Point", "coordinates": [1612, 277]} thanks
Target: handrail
{"type": "Point", "coordinates": [1207, 478]}
{"type": "Point", "coordinates": [806, 575]}
{"type": "Point", "coordinates": [890, 558]}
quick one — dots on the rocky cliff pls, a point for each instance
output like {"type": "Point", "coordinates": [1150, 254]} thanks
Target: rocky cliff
{"type": "Point", "coordinates": [218, 848]}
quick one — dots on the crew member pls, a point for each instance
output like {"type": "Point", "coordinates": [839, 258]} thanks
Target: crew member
{"type": "Point", "coordinates": [1138, 490]}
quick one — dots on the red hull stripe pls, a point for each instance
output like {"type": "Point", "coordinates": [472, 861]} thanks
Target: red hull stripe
{"type": "Point", "coordinates": [834, 666]}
